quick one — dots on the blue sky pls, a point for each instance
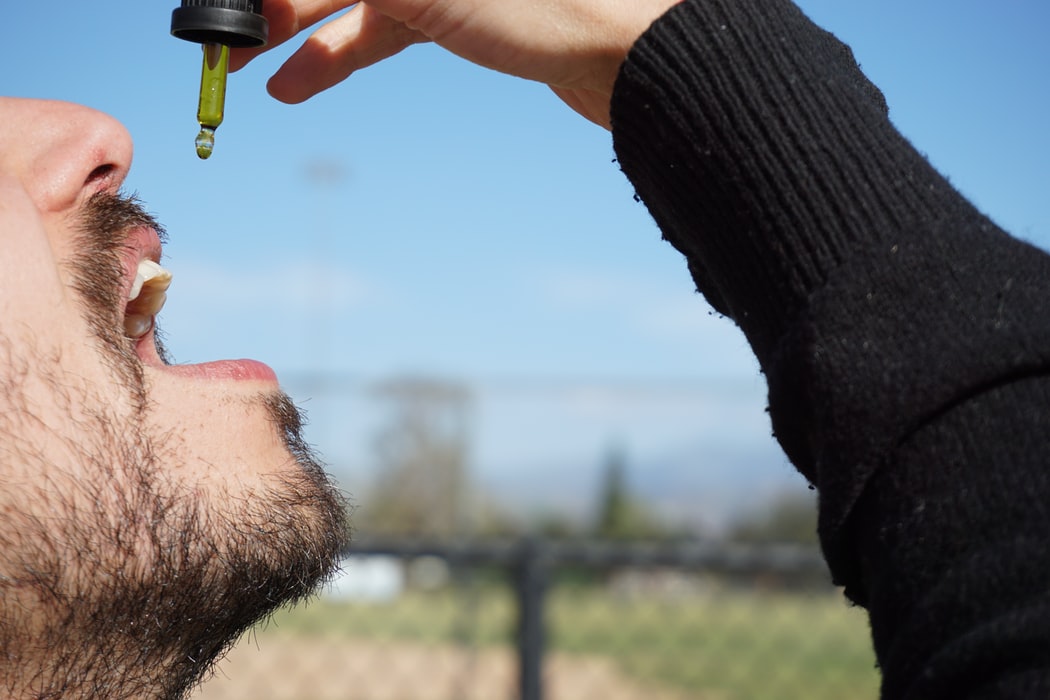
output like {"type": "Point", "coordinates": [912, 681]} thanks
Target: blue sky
{"type": "Point", "coordinates": [477, 230]}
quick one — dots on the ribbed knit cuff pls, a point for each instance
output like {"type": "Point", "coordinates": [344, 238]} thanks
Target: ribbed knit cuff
{"type": "Point", "coordinates": [872, 293]}
{"type": "Point", "coordinates": [756, 128]}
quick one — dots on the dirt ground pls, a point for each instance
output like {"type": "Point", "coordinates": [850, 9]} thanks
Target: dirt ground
{"type": "Point", "coordinates": [306, 669]}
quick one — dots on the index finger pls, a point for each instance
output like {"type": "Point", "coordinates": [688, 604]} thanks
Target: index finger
{"type": "Point", "coordinates": [287, 18]}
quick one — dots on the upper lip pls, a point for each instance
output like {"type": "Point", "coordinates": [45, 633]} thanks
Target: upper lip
{"type": "Point", "coordinates": [141, 243]}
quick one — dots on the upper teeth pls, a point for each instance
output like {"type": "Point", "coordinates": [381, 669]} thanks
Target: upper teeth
{"type": "Point", "coordinates": [149, 272]}
{"type": "Point", "coordinates": [146, 298]}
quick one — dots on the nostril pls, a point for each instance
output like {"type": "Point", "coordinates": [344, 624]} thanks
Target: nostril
{"type": "Point", "coordinates": [99, 173]}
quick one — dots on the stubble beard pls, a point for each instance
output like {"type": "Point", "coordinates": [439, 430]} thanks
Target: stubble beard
{"type": "Point", "coordinates": [134, 584]}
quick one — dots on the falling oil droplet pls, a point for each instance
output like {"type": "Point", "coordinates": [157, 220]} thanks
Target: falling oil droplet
{"type": "Point", "coordinates": [205, 142]}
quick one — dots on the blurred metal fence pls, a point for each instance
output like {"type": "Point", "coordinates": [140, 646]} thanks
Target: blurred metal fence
{"type": "Point", "coordinates": [535, 619]}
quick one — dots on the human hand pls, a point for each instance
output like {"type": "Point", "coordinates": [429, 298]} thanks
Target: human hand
{"type": "Point", "coordinates": [574, 46]}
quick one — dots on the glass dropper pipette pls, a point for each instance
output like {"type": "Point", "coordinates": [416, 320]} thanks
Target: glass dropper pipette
{"type": "Point", "coordinates": [217, 25]}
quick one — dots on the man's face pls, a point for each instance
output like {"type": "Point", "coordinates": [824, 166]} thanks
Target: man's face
{"type": "Point", "coordinates": [148, 512]}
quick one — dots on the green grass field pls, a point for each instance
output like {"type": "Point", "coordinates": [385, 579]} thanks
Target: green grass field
{"type": "Point", "coordinates": [725, 644]}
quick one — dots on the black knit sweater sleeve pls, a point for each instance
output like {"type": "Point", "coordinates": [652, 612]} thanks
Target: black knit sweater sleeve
{"type": "Point", "coordinates": [904, 337]}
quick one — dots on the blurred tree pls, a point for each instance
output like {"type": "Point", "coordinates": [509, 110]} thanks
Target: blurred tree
{"type": "Point", "coordinates": [788, 518]}
{"type": "Point", "coordinates": [422, 486]}
{"type": "Point", "coordinates": [555, 526]}
{"type": "Point", "coordinates": [621, 516]}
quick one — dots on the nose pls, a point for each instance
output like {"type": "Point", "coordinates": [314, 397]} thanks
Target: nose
{"type": "Point", "coordinates": [63, 153]}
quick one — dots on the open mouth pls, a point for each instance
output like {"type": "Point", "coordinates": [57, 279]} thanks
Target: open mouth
{"type": "Point", "coordinates": [147, 285]}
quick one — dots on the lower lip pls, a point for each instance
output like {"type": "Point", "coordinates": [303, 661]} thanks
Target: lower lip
{"type": "Point", "coordinates": [229, 370]}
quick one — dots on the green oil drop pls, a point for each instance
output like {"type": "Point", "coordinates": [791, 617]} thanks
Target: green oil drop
{"type": "Point", "coordinates": [205, 142]}
{"type": "Point", "coordinates": [213, 96]}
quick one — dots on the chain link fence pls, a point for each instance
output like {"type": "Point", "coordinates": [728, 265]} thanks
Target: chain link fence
{"type": "Point", "coordinates": [561, 620]}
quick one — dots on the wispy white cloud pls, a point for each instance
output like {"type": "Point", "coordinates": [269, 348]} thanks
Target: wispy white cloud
{"type": "Point", "coordinates": [584, 289]}
{"type": "Point", "coordinates": [301, 287]}
{"type": "Point", "coordinates": [666, 311]}
{"type": "Point", "coordinates": [657, 305]}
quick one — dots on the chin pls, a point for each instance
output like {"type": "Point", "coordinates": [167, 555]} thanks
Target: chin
{"type": "Point", "coordinates": [231, 558]}
{"type": "Point", "coordinates": [270, 541]}
{"type": "Point", "coordinates": [249, 555]}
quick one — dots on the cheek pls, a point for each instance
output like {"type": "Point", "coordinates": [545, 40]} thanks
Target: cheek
{"type": "Point", "coordinates": [31, 288]}
{"type": "Point", "coordinates": [43, 320]}
{"type": "Point", "coordinates": [64, 436]}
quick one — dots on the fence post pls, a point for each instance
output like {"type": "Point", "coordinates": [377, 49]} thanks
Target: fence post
{"type": "Point", "coordinates": [531, 580]}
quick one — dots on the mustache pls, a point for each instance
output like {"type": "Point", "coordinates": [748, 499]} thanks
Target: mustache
{"type": "Point", "coordinates": [108, 216]}
{"type": "Point", "coordinates": [101, 232]}
{"type": "Point", "coordinates": [103, 225]}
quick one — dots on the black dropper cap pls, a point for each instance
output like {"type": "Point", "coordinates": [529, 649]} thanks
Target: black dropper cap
{"type": "Point", "coordinates": [235, 23]}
